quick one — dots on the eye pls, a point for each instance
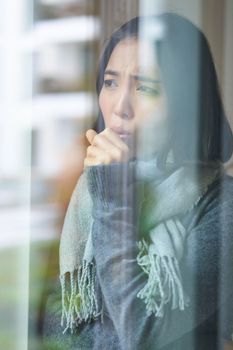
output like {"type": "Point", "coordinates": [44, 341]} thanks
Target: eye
{"type": "Point", "coordinates": [148, 90]}
{"type": "Point", "coordinates": [110, 83]}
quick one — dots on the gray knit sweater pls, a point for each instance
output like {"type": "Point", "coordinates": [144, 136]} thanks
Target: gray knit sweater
{"type": "Point", "coordinates": [206, 267]}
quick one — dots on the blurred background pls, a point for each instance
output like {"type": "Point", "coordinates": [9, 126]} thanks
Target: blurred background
{"type": "Point", "coordinates": [49, 52]}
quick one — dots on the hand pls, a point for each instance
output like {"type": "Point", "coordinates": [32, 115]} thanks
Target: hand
{"type": "Point", "coordinates": [105, 148]}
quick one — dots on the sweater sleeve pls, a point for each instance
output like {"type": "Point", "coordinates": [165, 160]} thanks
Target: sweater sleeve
{"type": "Point", "coordinates": [114, 235]}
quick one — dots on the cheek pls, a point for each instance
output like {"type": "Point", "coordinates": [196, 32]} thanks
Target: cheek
{"type": "Point", "coordinates": [152, 111]}
{"type": "Point", "coordinates": [152, 127]}
{"type": "Point", "coordinates": [104, 105]}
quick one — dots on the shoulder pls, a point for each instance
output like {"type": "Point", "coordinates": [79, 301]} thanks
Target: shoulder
{"type": "Point", "coordinates": [220, 194]}
{"type": "Point", "coordinates": [215, 204]}
{"type": "Point", "coordinates": [226, 186]}
{"type": "Point", "coordinates": [224, 202]}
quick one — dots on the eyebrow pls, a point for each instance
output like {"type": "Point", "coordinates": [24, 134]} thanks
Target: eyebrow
{"type": "Point", "coordinates": [136, 77]}
{"type": "Point", "coordinates": [111, 72]}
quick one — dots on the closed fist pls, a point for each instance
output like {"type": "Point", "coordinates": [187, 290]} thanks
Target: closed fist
{"type": "Point", "coordinates": [105, 148]}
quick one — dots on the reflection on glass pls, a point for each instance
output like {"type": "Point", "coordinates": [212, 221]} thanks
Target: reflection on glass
{"type": "Point", "coordinates": [145, 258]}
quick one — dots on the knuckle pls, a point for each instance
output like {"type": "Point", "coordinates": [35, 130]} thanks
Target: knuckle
{"type": "Point", "coordinates": [89, 148]}
{"type": "Point", "coordinates": [95, 140]}
{"type": "Point", "coordinates": [98, 140]}
{"type": "Point", "coordinates": [107, 158]}
{"type": "Point", "coordinates": [100, 159]}
{"type": "Point", "coordinates": [118, 154]}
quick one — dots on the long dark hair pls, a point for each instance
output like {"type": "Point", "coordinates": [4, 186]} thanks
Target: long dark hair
{"type": "Point", "coordinates": [198, 127]}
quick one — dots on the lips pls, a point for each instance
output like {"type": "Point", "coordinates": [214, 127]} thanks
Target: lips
{"type": "Point", "coordinates": [121, 132]}
{"type": "Point", "coordinates": [124, 135]}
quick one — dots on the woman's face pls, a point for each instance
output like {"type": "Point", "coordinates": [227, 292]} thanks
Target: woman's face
{"type": "Point", "coordinates": [132, 98]}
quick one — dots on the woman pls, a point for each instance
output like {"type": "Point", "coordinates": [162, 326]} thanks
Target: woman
{"type": "Point", "coordinates": [146, 247]}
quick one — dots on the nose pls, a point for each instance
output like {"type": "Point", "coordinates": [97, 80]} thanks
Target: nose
{"type": "Point", "coordinates": [123, 107]}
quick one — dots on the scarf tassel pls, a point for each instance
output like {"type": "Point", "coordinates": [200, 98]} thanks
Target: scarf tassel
{"type": "Point", "coordinates": [81, 304]}
{"type": "Point", "coordinates": [164, 281]}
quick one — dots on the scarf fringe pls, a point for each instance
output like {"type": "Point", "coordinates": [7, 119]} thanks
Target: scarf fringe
{"type": "Point", "coordinates": [81, 304]}
{"type": "Point", "coordinates": [164, 281]}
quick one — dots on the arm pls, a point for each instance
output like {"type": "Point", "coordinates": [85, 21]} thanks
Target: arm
{"type": "Point", "coordinates": [114, 236]}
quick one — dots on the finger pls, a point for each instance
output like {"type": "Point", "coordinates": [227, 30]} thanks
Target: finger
{"type": "Point", "coordinates": [90, 134]}
{"type": "Point", "coordinates": [107, 155]}
{"type": "Point", "coordinates": [89, 161]}
{"type": "Point", "coordinates": [115, 139]}
{"type": "Point", "coordinates": [102, 142]}
{"type": "Point", "coordinates": [98, 158]}
{"type": "Point", "coordinates": [111, 143]}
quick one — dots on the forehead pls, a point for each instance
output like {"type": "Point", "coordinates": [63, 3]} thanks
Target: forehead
{"type": "Point", "coordinates": [134, 55]}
